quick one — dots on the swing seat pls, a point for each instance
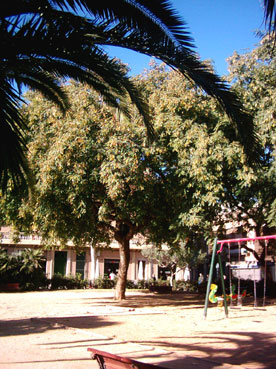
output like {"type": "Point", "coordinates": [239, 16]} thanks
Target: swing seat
{"type": "Point", "coordinates": [213, 298]}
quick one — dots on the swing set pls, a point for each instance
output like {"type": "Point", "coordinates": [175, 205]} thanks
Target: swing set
{"type": "Point", "coordinates": [212, 288]}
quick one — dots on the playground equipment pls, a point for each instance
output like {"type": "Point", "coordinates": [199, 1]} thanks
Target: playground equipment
{"type": "Point", "coordinates": [213, 298]}
{"type": "Point", "coordinates": [212, 288]}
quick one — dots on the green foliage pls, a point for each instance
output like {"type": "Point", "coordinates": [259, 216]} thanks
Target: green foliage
{"type": "Point", "coordinates": [251, 194]}
{"type": "Point", "coordinates": [187, 286]}
{"type": "Point", "coordinates": [9, 268]}
{"type": "Point", "coordinates": [197, 154]}
{"type": "Point", "coordinates": [103, 283]}
{"type": "Point", "coordinates": [92, 169]}
{"type": "Point", "coordinates": [25, 269]}
{"type": "Point", "coordinates": [51, 42]}
{"type": "Point", "coordinates": [142, 284]}
{"type": "Point", "coordinates": [61, 282]}
{"type": "Point", "coordinates": [32, 259]}
{"type": "Point", "coordinates": [179, 255]}
{"type": "Point", "coordinates": [97, 177]}
{"type": "Point", "coordinates": [131, 285]}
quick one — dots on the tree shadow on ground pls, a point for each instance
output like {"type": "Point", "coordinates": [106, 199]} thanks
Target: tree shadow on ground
{"type": "Point", "coordinates": [215, 349]}
{"type": "Point", "coordinates": [150, 299]}
{"type": "Point", "coordinates": [176, 299]}
{"type": "Point", "coordinates": [40, 325]}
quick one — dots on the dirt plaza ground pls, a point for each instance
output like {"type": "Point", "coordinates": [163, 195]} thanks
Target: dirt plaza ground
{"type": "Point", "coordinates": [53, 329]}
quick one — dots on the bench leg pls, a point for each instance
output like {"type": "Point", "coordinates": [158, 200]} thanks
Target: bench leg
{"type": "Point", "coordinates": [100, 361]}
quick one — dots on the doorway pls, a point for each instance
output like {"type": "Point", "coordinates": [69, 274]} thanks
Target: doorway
{"type": "Point", "coordinates": [111, 265]}
{"type": "Point", "coordinates": [60, 262]}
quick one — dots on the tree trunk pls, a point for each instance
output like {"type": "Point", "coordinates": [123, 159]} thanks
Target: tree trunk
{"type": "Point", "coordinates": [124, 251]}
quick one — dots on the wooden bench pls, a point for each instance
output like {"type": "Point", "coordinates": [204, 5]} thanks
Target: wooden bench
{"type": "Point", "coordinates": [110, 361]}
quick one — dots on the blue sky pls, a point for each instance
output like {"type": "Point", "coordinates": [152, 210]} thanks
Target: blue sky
{"type": "Point", "coordinates": [219, 27]}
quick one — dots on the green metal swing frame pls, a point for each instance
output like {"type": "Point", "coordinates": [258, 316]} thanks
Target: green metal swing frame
{"type": "Point", "coordinates": [218, 253]}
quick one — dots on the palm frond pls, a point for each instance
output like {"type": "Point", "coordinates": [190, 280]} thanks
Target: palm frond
{"type": "Point", "coordinates": [12, 149]}
{"type": "Point", "coordinates": [155, 16]}
{"type": "Point", "coordinates": [45, 40]}
{"type": "Point", "coordinates": [270, 14]}
{"type": "Point", "coordinates": [108, 76]}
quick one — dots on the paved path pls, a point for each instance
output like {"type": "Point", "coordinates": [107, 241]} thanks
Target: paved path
{"type": "Point", "coordinates": [36, 332]}
{"type": "Point", "coordinates": [53, 330]}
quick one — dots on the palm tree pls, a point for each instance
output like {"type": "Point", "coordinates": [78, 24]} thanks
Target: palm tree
{"type": "Point", "coordinates": [45, 41]}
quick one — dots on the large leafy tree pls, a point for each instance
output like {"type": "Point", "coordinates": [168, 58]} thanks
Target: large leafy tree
{"type": "Point", "coordinates": [218, 185]}
{"type": "Point", "coordinates": [249, 196]}
{"type": "Point", "coordinates": [45, 40]}
{"type": "Point", "coordinates": [97, 179]}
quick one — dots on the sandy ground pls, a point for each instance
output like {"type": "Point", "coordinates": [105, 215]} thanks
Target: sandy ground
{"type": "Point", "coordinates": [54, 329]}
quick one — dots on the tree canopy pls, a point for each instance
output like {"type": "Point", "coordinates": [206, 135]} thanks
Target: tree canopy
{"type": "Point", "coordinates": [253, 76]}
{"type": "Point", "coordinates": [98, 179]}
{"type": "Point", "coordinates": [220, 187]}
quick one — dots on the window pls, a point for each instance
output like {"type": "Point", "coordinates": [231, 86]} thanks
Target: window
{"type": "Point", "coordinates": [141, 267]}
{"type": "Point", "coordinates": [80, 264]}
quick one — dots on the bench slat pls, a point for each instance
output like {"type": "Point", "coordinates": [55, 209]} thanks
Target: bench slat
{"type": "Point", "coordinates": [111, 361]}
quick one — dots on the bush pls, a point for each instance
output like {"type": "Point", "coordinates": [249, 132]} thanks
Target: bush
{"type": "Point", "coordinates": [80, 282]}
{"type": "Point", "coordinates": [61, 282]}
{"type": "Point", "coordinates": [131, 285]}
{"type": "Point", "coordinates": [160, 289]}
{"type": "Point", "coordinates": [159, 285]}
{"type": "Point", "coordinates": [33, 281]}
{"type": "Point", "coordinates": [142, 284]}
{"type": "Point", "coordinates": [161, 282]}
{"type": "Point", "coordinates": [25, 269]}
{"type": "Point", "coordinates": [10, 268]}
{"type": "Point", "coordinates": [104, 283]}
{"type": "Point", "coordinates": [186, 286]}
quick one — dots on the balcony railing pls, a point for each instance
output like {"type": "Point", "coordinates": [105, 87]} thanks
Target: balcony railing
{"type": "Point", "coordinates": [22, 236]}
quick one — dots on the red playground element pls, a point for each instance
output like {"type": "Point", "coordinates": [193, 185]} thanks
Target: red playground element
{"type": "Point", "coordinates": [222, 242]}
